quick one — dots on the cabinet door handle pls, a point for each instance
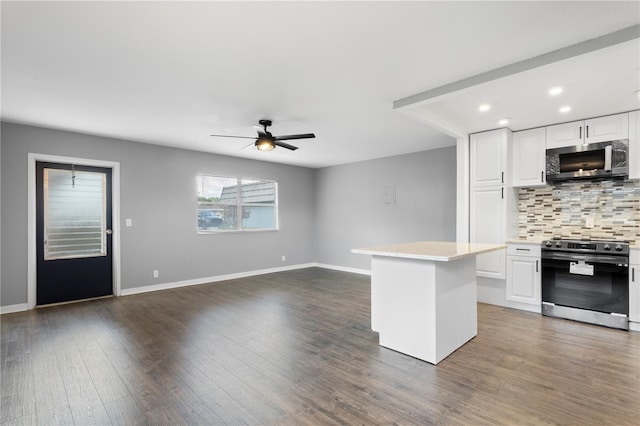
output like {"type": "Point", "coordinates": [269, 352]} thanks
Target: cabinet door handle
{"type": "Point", "coordinates": [522, 249]}
{"type": "Point", "coordinates": [502, 193]}
{"type": "Point", "coordinates": [580, 137]}
{"type": "Point", "coordinates": [633, 275]}
{"type": "Point", "coordinates": [502, 177]}
{"type": "Point", "coordinates": [587, 132]}
{"type": "Point", "coordinates": [542, 176]}
{"type": "Point", "coordinates": [537, 265]}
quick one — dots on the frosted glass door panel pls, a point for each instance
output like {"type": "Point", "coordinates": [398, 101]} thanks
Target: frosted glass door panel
{"type": "Point", "coordinates": [74, 214]}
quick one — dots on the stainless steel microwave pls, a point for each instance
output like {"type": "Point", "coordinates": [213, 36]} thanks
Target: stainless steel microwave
{"type": "Point", "coordinates": [588, 161]}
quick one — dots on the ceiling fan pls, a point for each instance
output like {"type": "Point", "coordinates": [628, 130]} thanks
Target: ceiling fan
{"type": "Point", "coordinates": [266, 141]}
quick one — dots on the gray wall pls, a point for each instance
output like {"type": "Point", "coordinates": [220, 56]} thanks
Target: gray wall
{"type": "Point", "coordinates": [158, 192]}
{"type": "Point", "coordinates": [351, 212]}
{"type": "Point", "coordinates": [324, 213]}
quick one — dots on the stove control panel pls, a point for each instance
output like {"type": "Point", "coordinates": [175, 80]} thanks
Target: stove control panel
{"type": "Point", "coordinates": [587, 246]}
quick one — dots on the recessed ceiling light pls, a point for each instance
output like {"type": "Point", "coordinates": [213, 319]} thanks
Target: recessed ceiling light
{"type": "Point", "coordinates": [556, 90]}
{"type": "Point", "coordinates": [565, 109]}
{"type": "Point", "coordinates": [484, 107]}
{"type": "Point", "coordinates": [503, 122]}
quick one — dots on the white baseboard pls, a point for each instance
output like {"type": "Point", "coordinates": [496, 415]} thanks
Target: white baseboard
{"type": "Point", "coordinates": [634, 326]}
{"type": "Point", "coordinates": [492, 291]}
{"type": "Point", "coordinates": [343, 269]}
{"type": "Point", "coordinates": [537, 309]}
{"type": "Point", "coordinates": [217, 278]}
{"type": "Point", "coordinates": [9, 309]}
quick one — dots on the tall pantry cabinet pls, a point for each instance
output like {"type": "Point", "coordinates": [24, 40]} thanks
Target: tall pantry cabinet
{"type": "Point", "coordinates": [492, 199]}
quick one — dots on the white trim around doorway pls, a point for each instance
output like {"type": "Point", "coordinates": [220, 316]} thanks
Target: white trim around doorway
{"type": "Point", "coordinates": [31, 216]}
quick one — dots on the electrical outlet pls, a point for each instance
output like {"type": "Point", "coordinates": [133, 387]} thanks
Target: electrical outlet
{"type": "Point", "coordinates": [284, 258]}
{"type": "Point", "coordinates": [128, 222]}
{"type": "Point", "coordinates": [156, 273]}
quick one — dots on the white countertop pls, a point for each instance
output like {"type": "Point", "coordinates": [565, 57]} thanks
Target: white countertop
{"type": "Point", "coordinates": [441, 251]}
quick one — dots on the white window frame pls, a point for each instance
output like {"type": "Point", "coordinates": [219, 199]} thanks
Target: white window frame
{"type": "Point", "coordinates": [239, 204]}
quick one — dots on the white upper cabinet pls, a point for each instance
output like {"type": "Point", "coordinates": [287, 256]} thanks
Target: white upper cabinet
{"type": "Point", "coordinates": [607, 128]}
{"type": "Point", "coordinates": [528, 160]}
{"type": "Point", "coordinates": [488, 158]}
{"type": "Point", "coordinates": [595, 130]}
{"type": "Point", "coordinates": [567, 134]}
{"type": "Point", "coordinates": [634, 145]}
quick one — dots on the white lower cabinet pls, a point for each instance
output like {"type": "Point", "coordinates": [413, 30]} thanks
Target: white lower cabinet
{"type": "Point", "coordinates": [523, 274]}
{"type": "Point", "coordinates": [634, 289]}
{"type": "Point", "coordinates": [487, 226]}
{"type": "Point", "coordinates": [634, 293]}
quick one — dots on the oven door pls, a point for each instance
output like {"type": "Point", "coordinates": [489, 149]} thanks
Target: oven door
{"type": "Point", "coordinates": [593, 282]}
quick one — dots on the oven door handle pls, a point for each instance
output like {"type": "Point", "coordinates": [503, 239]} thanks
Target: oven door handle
{"type": "Point", "coordinates": [613, 260]}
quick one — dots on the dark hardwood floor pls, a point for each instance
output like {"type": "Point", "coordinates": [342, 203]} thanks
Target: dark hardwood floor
{"type": "Point", "coordinates": [295, 348]}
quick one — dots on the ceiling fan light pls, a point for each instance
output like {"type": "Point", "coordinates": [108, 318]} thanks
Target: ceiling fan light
{"type": "Point", "coordinates": [265, 144]}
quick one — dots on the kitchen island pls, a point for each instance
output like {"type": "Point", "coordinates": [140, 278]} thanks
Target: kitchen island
{"type": "Point", "coordinates": [423, 296]}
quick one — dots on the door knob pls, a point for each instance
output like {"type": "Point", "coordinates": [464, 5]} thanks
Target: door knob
{"type": "Point", "coordinates": [109, 231]}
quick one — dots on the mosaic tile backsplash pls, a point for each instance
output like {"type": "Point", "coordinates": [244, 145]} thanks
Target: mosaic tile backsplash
{"type": "Point", "coordinates": [562, 210]}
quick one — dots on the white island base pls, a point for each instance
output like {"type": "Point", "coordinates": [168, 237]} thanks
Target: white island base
{"type": "Point", "coordinates": [425, 305]}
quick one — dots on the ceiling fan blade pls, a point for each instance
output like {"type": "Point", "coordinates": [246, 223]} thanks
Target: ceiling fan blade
{"type": "Point", "coordinates": [290, 137]}
{"type": "Point", "coordinates": [230, 136]}
{"type": "Point", "coordinates": [261, 131]}
{"type": "Point", "coordinates": [285, 145]}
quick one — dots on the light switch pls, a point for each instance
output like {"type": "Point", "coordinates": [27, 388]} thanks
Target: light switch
{"type": "Point", "coordinates": [128, 222]}
{"type": "Point", "coordinates": [389, 194]}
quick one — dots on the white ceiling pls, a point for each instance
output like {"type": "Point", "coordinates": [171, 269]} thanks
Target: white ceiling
{"type": "Point", "coordinates": [172, 73]}
{"type": "Point", "coordinates": [602, 82]}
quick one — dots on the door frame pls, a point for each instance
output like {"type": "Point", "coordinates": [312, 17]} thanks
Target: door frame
{"type": "Point", "coordinates": [32, 268]}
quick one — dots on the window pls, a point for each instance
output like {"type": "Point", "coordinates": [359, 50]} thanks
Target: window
{"type": "Point", "coordinates": [234, 204]}
{"type": "Point", "coordinates": [74, 214]}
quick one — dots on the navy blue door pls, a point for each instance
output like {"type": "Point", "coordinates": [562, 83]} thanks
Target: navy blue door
{"type": "Point", "coordinates": [73, 231]}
